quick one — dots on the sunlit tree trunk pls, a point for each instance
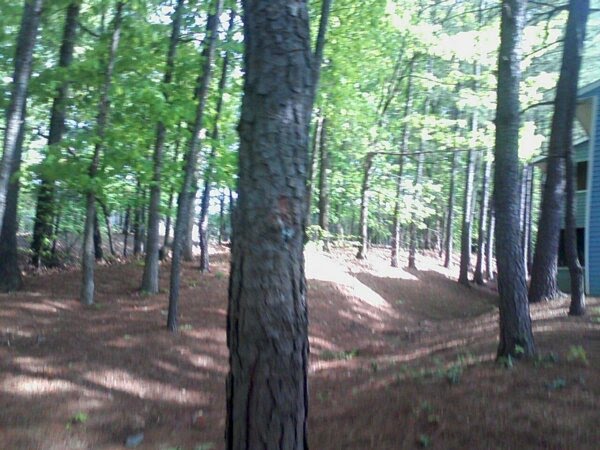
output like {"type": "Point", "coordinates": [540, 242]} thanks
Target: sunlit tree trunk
{"type": "Point", "coordinates": [15, 114]}
{"type": "Point", "coordinates": [87, 258]}
{"type": "Point", "coordinates": [516, 338]}
{"type": "Point", "coordinates": [483, 215]}
{"type": "Point", "coordinates": [205, 201]}
{"type": "Point", "coordinates": [188, 190]}
{"type": "Point", "coordinates": [150, 276]}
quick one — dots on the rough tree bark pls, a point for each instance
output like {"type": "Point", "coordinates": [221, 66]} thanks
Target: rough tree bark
{"type": "Point", "coordinates": [516, 338]}
{"type": "Point", "coordinates": [87, 258]}
{"type": "Point", "coordinates": [44, 213]}
{"type": "Point", "coordinates": [562, 131]}
{"type": "Point", "coordinates": [10, 275]}
{"type": "Point", "coordinates": [188, 190]}
{"type": "Point", "coordinates": [15, 114]}
{"type": "Point", "coordinates": [106, 214]}
{"type": "Point", "coordinates": [267, 385]}
{"type": "Point", "coordinates": [98, 251]}
{"type": "Point", "coordinates": [126, 230]}
{"type": "Point", "coordinates": [205, 201]}
{"type": "Point", "coordinates": [151, 263]}
{"type": "Point", "coordinates": [483, 214]}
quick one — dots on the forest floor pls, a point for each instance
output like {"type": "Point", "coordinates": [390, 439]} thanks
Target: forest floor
{"type": "Point", "coordinates": [399, 359]}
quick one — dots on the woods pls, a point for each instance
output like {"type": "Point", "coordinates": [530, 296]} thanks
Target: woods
{"type": "Point", "coordinates": [455, 141]}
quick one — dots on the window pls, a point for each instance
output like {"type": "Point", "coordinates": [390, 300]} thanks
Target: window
{"type": "Point", "coordinates": [562, 257]}
{"type": "Point", "coordinates": [582, 168]}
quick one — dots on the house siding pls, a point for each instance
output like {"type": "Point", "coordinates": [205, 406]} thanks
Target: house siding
{"type": "Point", "coordinates": [593, 228]}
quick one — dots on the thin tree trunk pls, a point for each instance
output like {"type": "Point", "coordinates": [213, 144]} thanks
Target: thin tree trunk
{"type": "Point", "coordinates": [565, 105]}
{"type": "Point", "coordinates": [324, 185]}
{"type": "Point", "coordinates": [403, 149]}
{"type": "Point", "coordinates": [15, 117]}
{"type": "Point", "coordinates": [489, 246]}
{"type": "Point", "coordinates": [98, 252]}
{"type": "Point", "coordinates": [44, 214]}
{"type": "Point", "coordinates": [106, 214]}
{"type": "Point", "coordinates": [450, 218]}
{"type": "Point", "coordinates": [526, 215]}
{"type": "Point", "coordinates": [137, 227]}
{"type": "Point", "coordinates": [221, 216]}
{"type": "Point", "coordinates": [150, 276]}
{"type": "Point", "coordinates": [267, 384]}
{"type": "Point", "coordinates": [188, 189]}
{"type": "Point", "coordinates": [529, 248]}
{"type": "Point", "coordinates": [483, 213]}
{"type": "Point", "coordinates": [87, 258]}
{"type": "Point", "coordinates": [364, 208]}
{"type": "Point", "coordinates": [516, 338]}
{"type": "Point", "coordinates": [56, 230]}
{"type": "Point", "coordinates": [126, 230]}
{"type": "Point", "coordinates": [312, 166]}
{"type": "Point", "coordinates": [205, 202]}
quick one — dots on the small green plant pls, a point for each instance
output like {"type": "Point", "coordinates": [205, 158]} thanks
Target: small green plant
{"type": "Point", "coordinates": [186, 327]}
{"type": "Point", "coordinates": [506, 361]}
{"type": "Point", "coordinates": [205, 446]}
{"type": "Point", "coordinates": [519, 350]}
{"type": "Point", "coordinates": [557, 383]}
{"type": "Point", "coordinates": [454, 373]}
{"type": "Point", "coordinates": [77, 419]}
{"type": "Point", "coordinates": [424, 440]}
{"type": "Point", "coordinates": [374, 366]}
{"type": "Point", "coordinates": [577, 353]}
{"type": "Point", "coordinates": [219, 275]}
{"type": "Point", "coordinates": [546, 360]}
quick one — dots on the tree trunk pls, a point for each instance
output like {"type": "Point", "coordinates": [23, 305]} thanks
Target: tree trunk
{"type": "Point", "coordinates": [205, 202]}
{"type": "Point", "coordinates": [15, 117]}
{"type": "Point", "coordinates": [267, 332]}
{"type": "Point", "coordinates": [221, 216]}
{"type": "Point", "coordinates": [44, 214]}
{"type": "Point", "coordinates": [489, 244]}
{"type": "Point", "coordinates": [364, 208]}
{"type": "Point", "coordinates": [450, 218]}
{"type": "Point", "coordinates": [565, 105]}
{"type": "Point", "coordinates": [403, 149]}
{"type": "Point", "coordinates": [324, 185]}
{"type": "Point", "coordinates": [87, 258]}
{"type": "Point", "coordinates": [106, 214]}
{"type": "Point", "coordinates": [188, 190]}
{"type": "Point", "coordinates": [126, 230]}
{"type": "Point", "coordinates": [526, 215]}
{"type": "Point", "coordinates": [137, 229]}
{"type": "Point", "coordinates": [150, 276]}
{"type": "Point", "coordinates": [98, 252]}
{"type": "Point", "coordinates": [516, 338]}
{"type": "Point", "coordinates": [483, 214]}
{"type": "Point", "coordinates": [10, 275]}
{"type": "Point", "coordinates": [312, 166]}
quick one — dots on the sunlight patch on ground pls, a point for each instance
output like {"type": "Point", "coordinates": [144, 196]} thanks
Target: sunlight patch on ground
{"type": "Point", "coordinates": [26, 385]}
{"type": "Point", "coordinates": [202, 361]}
{"type": "Point", "coordinates": [123, 381]}
{"type": "Point", "coordinates": [322, 268]}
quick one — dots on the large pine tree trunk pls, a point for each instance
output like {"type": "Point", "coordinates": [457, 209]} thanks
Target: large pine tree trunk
{"type": "Point", "coordinates": [516, 338]}
{"type": "Point", "coordinates": [44, 214]}
{"type": "Point", "coordinates": [489, 244]}
{"type": "Point", "coordinates": [150, 276]}
{"type": "Point", "coordinates": [188, 190]}
{"type": "Point", "coordinates": [15, 115]}
{"type": "Point", "coordinates": [267, 332]}
{"type": "Point", "coordinates": [10, 275]}
{"type": "Point", "coordinates": [205, 201]}
{"type": "Point", "coordinates": [483, 214]}
{"type": "Point", "coordinates": [565, 105]}
{"type": "Point", "coordinates": [87, 258]}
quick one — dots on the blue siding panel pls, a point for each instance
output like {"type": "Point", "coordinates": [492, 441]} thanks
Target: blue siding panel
{"type": "Point", "coordinates": [593, 263]}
